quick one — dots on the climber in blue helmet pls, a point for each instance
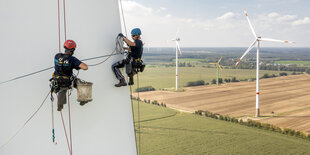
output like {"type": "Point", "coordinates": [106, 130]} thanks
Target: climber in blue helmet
{"type": "Point", "coordinates": [134, 57]}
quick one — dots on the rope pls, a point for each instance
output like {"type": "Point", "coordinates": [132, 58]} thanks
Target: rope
{"type": "Point", "coordinates": [138, 149]}
{"type": "Point", "coordinates": [16, 133]}
{"type": "Point", "coordinates": [133, 117]}
{"type": "Point", "coordinates": [39, 71]}
{"type": "Point", "coordinates": [63, 123]}
{"type": "Point", "coordinates": [59, 27]}
{"type": "Point", "coordinates": [65, 21]}
{"type": "Point", "coordinates": [53, 124]}
{"type": "Point", "coordinates": [124, 22]}
{"type": "Point", "coordinates": [139, 114]}
{"type": "Point", "coordinates": [23, 76]}
{"type": "Point", "coordinates": [69, 93]}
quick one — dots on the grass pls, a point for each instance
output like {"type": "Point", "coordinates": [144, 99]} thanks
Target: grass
{"type": "Point", "coordinates": [293, 62]}
{"type": "Point", "coordinates": [164, 77]}
{"type": "Point", "coordinates": [184, 133]}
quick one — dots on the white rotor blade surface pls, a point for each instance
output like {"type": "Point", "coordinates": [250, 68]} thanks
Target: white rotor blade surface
{"type": "Point", "coordinates": [275, 40]}
{"type": "Point", "coordinates": [247, 17]}
{"type": "Point", "coordinates": [246, 52]}
{"type": "Point", "coordinates": [178, 47]}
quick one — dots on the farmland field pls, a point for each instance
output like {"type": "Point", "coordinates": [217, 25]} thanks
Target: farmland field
{"type": "Point", "coordinates": [164, 77]}
{"type": "Point", "coordinates": [184, 133]}
{"type": "Point", "coordinates": [284, 101]}
{"type": "Point", "coordinates": [293, 62]}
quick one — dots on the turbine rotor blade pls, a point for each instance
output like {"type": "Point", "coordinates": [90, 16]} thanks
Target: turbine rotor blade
{"type": "Point", "coordinates": [246, 52]}
{"type": "Point", "coordinates": [176, 35]}
{"type": "Point", "coordinates": [220, 60]}
{"type": "Point", "coordinates": [247, 17]}
{"type": "Point", "coordinates": [275, 40]}
{"type": "Point", "coordinates": [220, 67]}
{"type": "Point", "coordinates": [178, 47]}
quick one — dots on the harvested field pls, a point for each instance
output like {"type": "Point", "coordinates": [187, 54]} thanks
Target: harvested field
{"type": "Point", "coordinates": [288, 97]}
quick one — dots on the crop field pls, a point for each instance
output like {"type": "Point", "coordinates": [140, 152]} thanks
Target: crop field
{"type": "Point", "coordinates": [164, 77]}
{"type": "Point", "coordinates": [166, 131]}
{"type": "Point", "coordinates": [293, 62]}
{"type": "Point", "coordinates": [284, 101]}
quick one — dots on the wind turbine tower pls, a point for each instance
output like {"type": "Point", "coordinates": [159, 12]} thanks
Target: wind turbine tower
{"type": "Point", "coordinates": [218, 66]}
{"type": "Point", "coordinates": [257, 40]}
{"type": "Point", "coordinates": [177, 52]}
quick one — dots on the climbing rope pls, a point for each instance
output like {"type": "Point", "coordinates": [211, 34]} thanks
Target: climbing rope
{"type": "Point", "coordinates": [27, 121]}
{"type": "Point", "coordinates": [139, 114]}
{"type": "Point", "coordinates": [69, 93]}
{"type": "Point", "coordinates": [59, 27]}
{"type": "Point", "coordinates": [132, 107]}
{"type": "Point", "coordinates": [63, 123]}
{"type": "Point", "coordinates": [133, 117]}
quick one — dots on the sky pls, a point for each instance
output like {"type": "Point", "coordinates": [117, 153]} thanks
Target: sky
{"type": "Point", "coordinates": [210, 23]}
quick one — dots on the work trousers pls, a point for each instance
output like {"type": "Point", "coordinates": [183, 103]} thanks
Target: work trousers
{"type": "Point", "coordinates": [130, 70]}
{"type": "Point", "coordinates": [62, 96]}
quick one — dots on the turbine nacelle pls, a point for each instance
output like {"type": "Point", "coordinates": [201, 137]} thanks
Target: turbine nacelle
{"type": "Point", "coordinates": [258, 39]}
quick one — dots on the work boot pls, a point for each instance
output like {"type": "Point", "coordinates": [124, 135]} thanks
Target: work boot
{"type": "Point", "coordinates": [130, 81]}
{"type": "Point", "coordinates": [60, 107]}
{"type": "Point", "coordinates": [83, 103]}
{"type": "Point", "coordinates": [122, 82]}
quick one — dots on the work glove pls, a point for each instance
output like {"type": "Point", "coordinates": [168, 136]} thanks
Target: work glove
{"type": "Point", "coordinates": [121, 35]}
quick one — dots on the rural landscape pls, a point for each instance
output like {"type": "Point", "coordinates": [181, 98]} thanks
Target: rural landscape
{"type": "Point", "coordinates": [208, 116]}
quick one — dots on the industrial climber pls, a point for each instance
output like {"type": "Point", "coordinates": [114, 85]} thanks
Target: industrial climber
{"type": "Point", "coordinates": [63, 75]}
{"type": "Point", "coordinates": [133, 60]}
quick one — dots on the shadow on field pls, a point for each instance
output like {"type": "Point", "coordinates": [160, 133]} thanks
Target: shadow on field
{"type": "Point", "coordinates": [290, 117]}
{"type": "Point", "coordinates": [153, 119]}
{"type": "Point", "coordinates": [184, 130]}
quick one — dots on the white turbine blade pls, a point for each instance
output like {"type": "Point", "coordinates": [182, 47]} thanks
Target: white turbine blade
{"type": "Point", "coordinates": [247, 17]}
{"type": "Point", "coordinates": [178, 47]}
{"type": "Point", "coordinates": [177, 34]}
{"type": "Point", "coordinates": [246, 52]}
{"type": "Point", "coordinates": [275, 40]}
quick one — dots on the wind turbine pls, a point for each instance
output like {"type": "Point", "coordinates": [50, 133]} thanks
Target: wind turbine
{"type": "Point", "coordinates": [218, 66]}
{"type": "Point", "coordinates": [257, 40]}
{"type": "Point", "coordinates": [177, 52]}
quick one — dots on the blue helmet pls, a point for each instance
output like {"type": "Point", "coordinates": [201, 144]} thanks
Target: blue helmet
{"type": "Point", "coordinates": [136, 31]}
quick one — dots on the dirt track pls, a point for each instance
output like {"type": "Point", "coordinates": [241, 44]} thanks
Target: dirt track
{"type": "Point", "coordinates": [287, 97]}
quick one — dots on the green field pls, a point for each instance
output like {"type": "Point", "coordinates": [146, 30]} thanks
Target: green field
{"type": "Point", "coordinates": [165, 131]}
{"type": "Point", "coordinates": [293, 62]}
{"type": "Point", "coordinates": [164, 77]}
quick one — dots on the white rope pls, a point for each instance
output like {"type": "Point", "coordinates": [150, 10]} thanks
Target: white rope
{"type": "Point", "coordinates": [16, 133]}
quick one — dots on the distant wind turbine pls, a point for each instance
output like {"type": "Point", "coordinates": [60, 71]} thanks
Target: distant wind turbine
{"type": "Point", "coordinates": [177, 52]}
{"type": "Point", "coordinates": [218, 66]}
{"type": "Point", "coordinates": [257, 40]}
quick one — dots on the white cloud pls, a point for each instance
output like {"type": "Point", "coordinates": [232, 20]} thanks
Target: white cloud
{"type": "Point", "coordinates": [132, 7]}
{"type": "Point", "coordinates": [287, 17]}
{"type": "Point", "coordinates": [304, 21]}
{"type": "Point", "coordinates": [226, 16]}
{"type": "Point", "coordinates": [279, 17]}
{"type": "Point", "coordinates": [273, 15]}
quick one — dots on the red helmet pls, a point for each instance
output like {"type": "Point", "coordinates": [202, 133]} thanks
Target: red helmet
{"type": "Point", "coordinates": [70, 44]}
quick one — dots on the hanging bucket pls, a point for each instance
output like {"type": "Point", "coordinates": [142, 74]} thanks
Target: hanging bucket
{"type": "Point", "coordinates": [84, 91]}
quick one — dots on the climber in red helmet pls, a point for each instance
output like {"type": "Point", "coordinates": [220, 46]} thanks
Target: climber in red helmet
{"type": "Point", "coordinates": [63, 75]}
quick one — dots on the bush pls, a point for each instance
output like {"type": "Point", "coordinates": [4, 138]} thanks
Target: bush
{"type": "Point", "coordinates": [198, 112]}
{"type": "Point", "coordinates": [195, 83]}
{"type": "Point", "coordinates": [144, 89]}
{"type": "Point", "coordinates": [213, 81]}
{"type": "Point", "coordinates": [221, 117]}
{"type": "Point", "coordinates": [241, 122]}
{"type": "Point", "coordinates": [234, 79]}
{"type": "Point", "coordinates": [308, 70]}
{"type": "Point", "coordinates": [283, 74]}
{"type": "Point", "coordinates": [155, 102]}
{"type": "Point", "coordinates": [220, 80]}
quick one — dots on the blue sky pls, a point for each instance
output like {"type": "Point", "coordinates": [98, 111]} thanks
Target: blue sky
{"type": "Point", "coordinates": [210, 23]}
